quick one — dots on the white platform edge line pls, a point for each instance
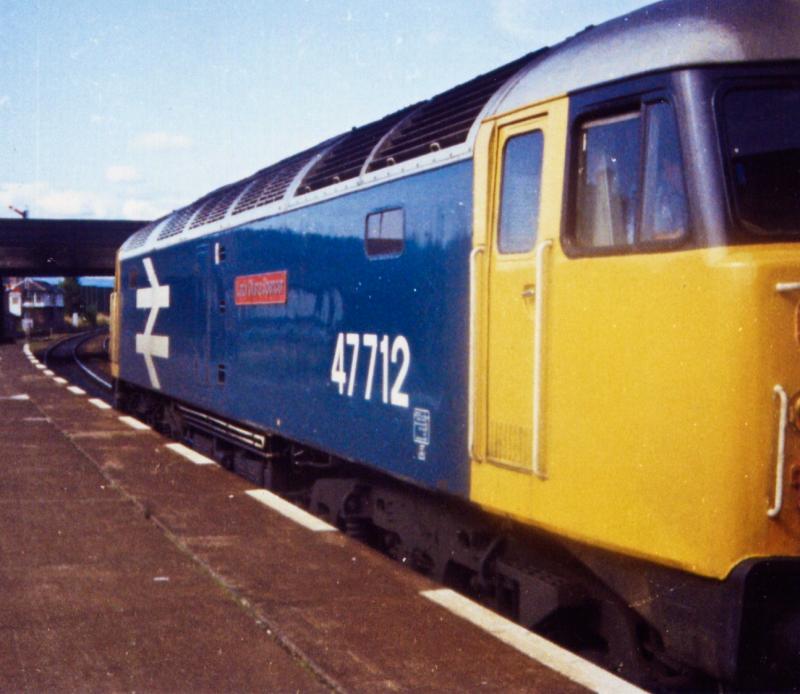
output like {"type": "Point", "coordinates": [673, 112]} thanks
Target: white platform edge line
{"type": "Point", "coordinates": [41, 367]}
{"type": "Point", "coordinates": [99, 404]}
{"type": "Point", "coordinates": [60, 381]}
{"type": "Point", "coordinates": [18, 398]}
{"type": "Point", "coordinates": [47, 372]}
{"type": "Point", "coordinates": [134, 423]}
{"type": "Point", "coordinates": [76, 391]}
{"type": "Point", "coordinates": [571, 666]}
{"type": "Point", "coordinates": [189, 454]}
{"type": "Point", "coordinates": [290, 511]}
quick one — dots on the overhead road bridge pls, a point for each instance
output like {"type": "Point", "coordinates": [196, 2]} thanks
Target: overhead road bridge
{"type": "Point", "coordinates": [60, 247]}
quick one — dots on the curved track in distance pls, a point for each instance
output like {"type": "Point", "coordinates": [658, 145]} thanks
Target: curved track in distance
{"type": "Point", "coordinates": [83, 360]}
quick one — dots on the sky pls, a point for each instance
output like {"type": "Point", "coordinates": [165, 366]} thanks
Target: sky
{"type": "Point", "coordinates": [113, 109]}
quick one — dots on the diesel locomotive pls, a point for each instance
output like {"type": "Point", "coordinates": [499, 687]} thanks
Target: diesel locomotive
{"type": "Point", "coordinates": [539, 336]}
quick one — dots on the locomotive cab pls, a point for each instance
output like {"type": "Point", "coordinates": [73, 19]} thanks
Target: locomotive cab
{"type": "Point", "coordinates": [664, 349]}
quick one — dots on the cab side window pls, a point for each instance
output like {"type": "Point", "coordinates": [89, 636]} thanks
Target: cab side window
{"type": "Point", "coordinates": [630, 189]}
{"type": "Point", "coordinates": [665, 215]}
{"type": "Point", "coordinates": [384, 234]}
{"type": "Point", "coordinates": [520, 192]}
{"type": "Point", "coordinates": [608, 181]}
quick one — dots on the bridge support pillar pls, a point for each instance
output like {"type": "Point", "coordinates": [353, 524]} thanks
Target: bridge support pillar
{"type": "Point", "coordinates": [6, 332]}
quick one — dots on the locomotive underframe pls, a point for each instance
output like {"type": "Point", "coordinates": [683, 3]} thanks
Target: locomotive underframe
{"type": "Point", "coordinates": [656, 626]}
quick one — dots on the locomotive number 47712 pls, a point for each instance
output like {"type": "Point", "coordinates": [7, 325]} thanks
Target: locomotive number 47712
{"type": "Point", "coordinates": [399, 354]}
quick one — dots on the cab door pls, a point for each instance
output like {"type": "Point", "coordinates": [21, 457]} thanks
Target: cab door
{"type": "Point", "coordinates": [511, 314]}
{"type": "Point", "coordinates": [522, 175]}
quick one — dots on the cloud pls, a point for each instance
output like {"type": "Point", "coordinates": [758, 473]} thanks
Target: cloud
{"type": "Point", "coordinates": [99, 119]}
{"type": "Point", "coordinates": [45, 201]}
{"type": "Point", "coordinates": [42, 200]}
{"type": "Point", "coordinates": [141, 209]}
{"type": "Point", "coordinates": [162, 140]}
{"type": "Point", "coordinates": [3, 100]}
{"type": "Point", "coordinates": [74, 203]}
{"type": "Point", "coordinates": [121, 173]}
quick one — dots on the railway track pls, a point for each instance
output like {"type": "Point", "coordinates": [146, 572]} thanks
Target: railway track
{"type": "Point", "coordinates": [83, 360]}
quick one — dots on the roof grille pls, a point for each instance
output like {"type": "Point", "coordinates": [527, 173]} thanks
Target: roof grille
{"type": "Point", "coordinates": [140, 237]}
{"type": "Point", "coordinates": [346, 158]}
{"type": "Point", "coordinates": [446, 119]}
{"type": "Point", "coordinates": [179, 219]}
{"type": "Point", "coordinates": [417, 130]}
{"type": "Point", "coordinates": [216, 207]}
{"type": "Point", "coordinates": [271, 183]}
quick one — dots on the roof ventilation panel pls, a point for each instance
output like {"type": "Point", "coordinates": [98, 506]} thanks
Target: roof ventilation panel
{"type": "Point", "coordinates": [216, 207]}
{"type": "Point", "coordinates": [139, 238]}
{"type": "Point", "coordinates": [445, 120]}
{"type": "Point", "coordinates": [270, 184]}
{"type": "Point", "coordinates": [346, 158]}
{"type": "Point", "coordinates": [179, 220]}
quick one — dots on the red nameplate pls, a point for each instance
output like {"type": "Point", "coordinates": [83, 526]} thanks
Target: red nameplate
{"type": "Point", "coordinates": [266, 288]}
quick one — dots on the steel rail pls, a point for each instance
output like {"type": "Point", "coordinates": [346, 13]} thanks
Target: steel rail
{"type": "Point", "coordinates": [99, 379]}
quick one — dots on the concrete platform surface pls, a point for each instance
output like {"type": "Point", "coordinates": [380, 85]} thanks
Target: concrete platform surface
{"type": "Point", "coordinates": [126, 567]}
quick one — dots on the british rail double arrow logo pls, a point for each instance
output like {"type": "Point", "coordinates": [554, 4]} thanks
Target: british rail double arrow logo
{"type": "Point", "coordinates": [154, 297]}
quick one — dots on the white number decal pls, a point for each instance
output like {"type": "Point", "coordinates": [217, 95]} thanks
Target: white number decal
{"type": "Point", "coordinates": [385, 360]}
{"type": "Point", "coordinates": [400, 345]}
{"type": "Point", "coordinates": [371, 341]}
{"type": "Point", "coordinates": [399, 353]}
{"type": "Point", "coordinates": [354, 340]}
{"type": "Point", "coordinates": [338, 374]}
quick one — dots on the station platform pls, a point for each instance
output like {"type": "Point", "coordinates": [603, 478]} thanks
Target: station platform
{"type": "Point", "coordinates": [129, 563]}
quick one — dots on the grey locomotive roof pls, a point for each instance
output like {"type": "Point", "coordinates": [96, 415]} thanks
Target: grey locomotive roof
{"type": "Point", "coordinates": [666, 34]}
{"type": "Point", "coordinates": [442, 130]}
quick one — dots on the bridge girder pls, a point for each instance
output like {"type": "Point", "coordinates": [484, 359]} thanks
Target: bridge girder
{"type": "Point", "coordinates": [59, 247]}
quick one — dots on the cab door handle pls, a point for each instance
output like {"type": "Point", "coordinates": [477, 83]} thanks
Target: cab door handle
{"type": "Point", "coordinates": [529, 292]}
{"type": "Point", "coordinates": [780, 462]}
{"type": "Point", "coordinates": [785, 287]}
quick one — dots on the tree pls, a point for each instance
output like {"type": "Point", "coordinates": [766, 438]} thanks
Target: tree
{"type": "Point", "coordinates": [72, 295]}
{"type": "Point", "coordinates": [91, 315]}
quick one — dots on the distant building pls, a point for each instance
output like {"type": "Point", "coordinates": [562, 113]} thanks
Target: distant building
{"type": "Point", "coordinates": [35, 304]}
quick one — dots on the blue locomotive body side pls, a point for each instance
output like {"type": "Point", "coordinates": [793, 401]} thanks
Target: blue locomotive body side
{"type": "Point", "coordinates": [289, 365]}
